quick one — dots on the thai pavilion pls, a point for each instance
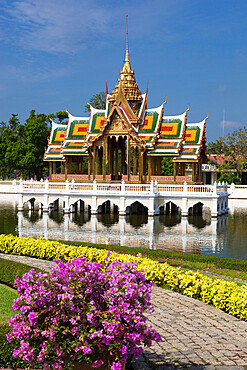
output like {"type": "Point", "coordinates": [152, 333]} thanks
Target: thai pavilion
{"type": "Point", "coordinates": [126, 140]}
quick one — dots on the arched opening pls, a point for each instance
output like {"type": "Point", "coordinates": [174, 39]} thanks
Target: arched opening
{"type": "Point", "coordinates": [32, 204]}
{"type": "Point", "coordinates": [169, 208]}
{"type": "Point", "coordinates": [199, 215]}
{"type": "Point", "coordinates": [108, 213]}
{"type": "Point", "coordinates": [196, 209]}
{"type": "Point", "coordinates": [80, 206]}
{"type": "Point", "coordinates": [136, 208]}
{"type": "Point", "coordinates": [108, 207]}
{"type": "Point", "coordinates": [136, 214]}
{"type": "Point", "coordinates": [169, 214]}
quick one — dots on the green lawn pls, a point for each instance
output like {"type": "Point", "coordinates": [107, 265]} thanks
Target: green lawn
{"type": "Point", "coordinates": [7, 295]}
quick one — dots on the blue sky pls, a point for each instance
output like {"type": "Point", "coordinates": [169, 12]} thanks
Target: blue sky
{"type": "Point", "coordinates": [55, 53]}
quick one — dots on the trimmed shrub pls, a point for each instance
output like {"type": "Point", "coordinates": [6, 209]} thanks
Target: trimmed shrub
{"type": "Point", "coordinates": [224, 295]}
{"type": "Point", "coordinates": [10, 270]}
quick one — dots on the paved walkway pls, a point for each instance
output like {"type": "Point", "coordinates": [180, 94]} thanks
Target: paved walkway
{"type": "Point", "coordinates": [195, 335]}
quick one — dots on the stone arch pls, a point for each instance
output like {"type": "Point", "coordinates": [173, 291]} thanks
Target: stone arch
{"type": "Point", "coordinates": [31, 202]}
{"type": "Point", "coordinates": [136, 207]}
{"type": "Point", "coordinates": [79, 205]}
{"type": "Point", "coordinates": [108, 206]}
{"type": "Point", "coordinates": [197, 208]}
{"type": "Point", "coordinates": [54, 203]}
{"type": "Point", "coordinates": [169, 207]}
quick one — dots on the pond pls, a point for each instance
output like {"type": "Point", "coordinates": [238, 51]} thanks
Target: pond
{"type": "Point", "coordinates": [225, 236]}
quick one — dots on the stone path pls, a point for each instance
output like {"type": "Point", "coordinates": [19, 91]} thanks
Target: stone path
{"type": "Point", "coordinates": [195, 335]}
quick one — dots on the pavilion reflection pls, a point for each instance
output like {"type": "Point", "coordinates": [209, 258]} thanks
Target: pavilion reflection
{"type": "Point", "coordinates": [180, 233]}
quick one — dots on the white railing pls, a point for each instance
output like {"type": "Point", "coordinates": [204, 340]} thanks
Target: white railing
{"type": "Point", "coordinates": [237, 191]}
{"type": "Point", "coordinates": [120, 188]}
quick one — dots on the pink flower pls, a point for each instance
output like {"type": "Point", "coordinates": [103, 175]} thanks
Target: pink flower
{"type": "Point", "coordinates": [97, 363]}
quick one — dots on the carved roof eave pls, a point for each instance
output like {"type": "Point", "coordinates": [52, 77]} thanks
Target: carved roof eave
{"type": "Point", "coordinates": [121, 99]}
{"type": "Point", "coordinates": [130, 130]}
{"type": "Point", "coordinates": [144, 104]}
{"type": "Point", "coordinates": [153, 143]}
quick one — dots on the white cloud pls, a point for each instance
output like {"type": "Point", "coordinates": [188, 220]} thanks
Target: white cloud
{"type": "Point", "coordinates": [53, 25]}
{"type": "Point", "coordinates": [230, 124]}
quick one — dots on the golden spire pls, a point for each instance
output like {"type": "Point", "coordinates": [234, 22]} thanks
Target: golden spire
{"type": "Point", "coordinates": [127, 66]}
{"type": "Point", "coordinates": [127, 77]}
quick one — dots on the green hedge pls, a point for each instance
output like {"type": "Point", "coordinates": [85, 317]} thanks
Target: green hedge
{"type": "Point", "coordinates": [227, 296]}
{"type": "Point", "coordinates": [10, 270]}
{"type": "Point", "coordinates": [222, 262]}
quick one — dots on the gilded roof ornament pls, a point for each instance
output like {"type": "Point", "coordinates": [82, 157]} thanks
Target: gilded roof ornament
{"type": "Point", "coordinates": [187, 110]}
{"type": "Point", "coordinates": [127, 77]}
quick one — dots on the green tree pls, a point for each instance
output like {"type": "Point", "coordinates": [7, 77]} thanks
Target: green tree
{"type": "Point", "coordinates": [97, 101]}
{"type": "Point", "coordinates": [229, 177]}
{"type": "Point", "coordinates": [14, 139]}
{"type": "Point", "coordinates": [62, 116]}
{"type": "Point", "coordinates": [217, 147]}
{"type": "Point", "coordinates": [36, 134]}
{"type": "Point", "coordinates": [167, 166]}
{"type": "Point", "coordinates": [233, 150]}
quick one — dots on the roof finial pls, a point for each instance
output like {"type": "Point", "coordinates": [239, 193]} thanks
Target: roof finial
{"type": "Point", "coordinates": [127, 41]}
{"type": "Point", "coordinates": [127, 67]}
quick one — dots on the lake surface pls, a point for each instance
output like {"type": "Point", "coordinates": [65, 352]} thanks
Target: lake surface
{"type": "Point", "coordinates": [225, 236]}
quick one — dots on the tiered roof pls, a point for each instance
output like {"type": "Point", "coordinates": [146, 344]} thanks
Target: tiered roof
{"type": "Point", "coordinates": [161, 135]}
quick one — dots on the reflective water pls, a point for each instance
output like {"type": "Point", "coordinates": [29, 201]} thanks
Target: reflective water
{"type": "Point", "coordinates": [225, 236]}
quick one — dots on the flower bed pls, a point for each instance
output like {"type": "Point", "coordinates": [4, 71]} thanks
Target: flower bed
{"type": "Point", "coordinates": [81, 311]}
{"type": "Point", "coordinates": [227, 296]}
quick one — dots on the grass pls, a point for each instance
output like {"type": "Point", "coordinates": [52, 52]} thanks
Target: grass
{"type": "Point", "coordinates": [7, 295]}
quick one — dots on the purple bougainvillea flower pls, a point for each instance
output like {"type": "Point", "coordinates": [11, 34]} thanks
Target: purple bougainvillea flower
{"type": "Point", "coordinates": [82, 311]}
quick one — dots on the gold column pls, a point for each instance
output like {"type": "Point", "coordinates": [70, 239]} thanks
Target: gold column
{"type": "Point", "coordinates": [50, 170]}
{"type": "Point", "coordinates": [149, 169]}
{"type": "Point", "coordinates": [54, 167]}
{"type": "Point", "coordinates": [109, 156]}
{"type": "Point", "coordinates": [122, 156]}
{"type": "Point", "coordinates": [96, 160]}
{"type": "Point", "coordinates": [140, 165]}
{"type": "Point", "coordinates": [182, 164]}
{"type": "Point", "coordinates": [200, 170]}
{"type": "Point", "coordinates": [104, 158]}
{"type": "Point", "coordinates": [128, 158]}
{"type": "Point", "coordinates": [100, 161]}
{"type": "Point", "coordinates": [89, 165]}
{"type": "Point", "coordinates": [175, 170]}
{"type": "Point", "coordinates": [135, 161]}
{"type": "Point", "coordinates": [66, 168]}
{"type": "Point", "coordinates": [116, 161]}
{"type": "Point", "coordinates": [193, 172]}
{"type": "Point", "coordinates": [145, 163]}
{"type": "Point", "coordinates": [93, 161]}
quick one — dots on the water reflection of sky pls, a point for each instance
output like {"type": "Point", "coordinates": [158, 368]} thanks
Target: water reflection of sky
{"type": "Point", "coordinates": [225, 236]}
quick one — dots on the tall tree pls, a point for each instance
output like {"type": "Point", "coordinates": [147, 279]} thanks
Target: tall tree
{"type": "Point", "coordinates": [36, 134]}
{"type": "Point", "coordinates": [97, 101]}
{"type": "Point", "coordinates": [233, 150]}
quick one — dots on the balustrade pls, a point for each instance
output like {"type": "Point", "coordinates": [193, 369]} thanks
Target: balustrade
{"type": "Point", "coordinates": [99, 187]}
